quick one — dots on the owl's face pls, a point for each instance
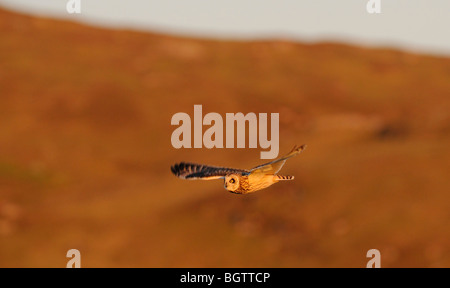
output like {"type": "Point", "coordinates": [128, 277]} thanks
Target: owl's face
{"type": "Point", "coordinates": [231, 182]}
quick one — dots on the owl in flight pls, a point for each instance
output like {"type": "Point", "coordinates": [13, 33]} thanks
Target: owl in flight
{"type": "Point", "coordinates": [238, 181]}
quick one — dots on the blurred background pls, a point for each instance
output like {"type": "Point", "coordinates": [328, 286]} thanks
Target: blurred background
{"type": "Point", "coordinates": [85, 107]}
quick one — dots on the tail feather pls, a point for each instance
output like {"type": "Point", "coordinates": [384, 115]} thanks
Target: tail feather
{"type": "Point", "coordinates": [283, 177]}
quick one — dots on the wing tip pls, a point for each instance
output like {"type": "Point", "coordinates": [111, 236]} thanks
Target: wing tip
{"type": "Point", "coordinates": [191, 171]}
{"type": "Point", "coordinates": [299, 148]}
{"type": "Point", "coordinates": [184, 170]}
{"type": "Point", "coordinates": [177, 169]}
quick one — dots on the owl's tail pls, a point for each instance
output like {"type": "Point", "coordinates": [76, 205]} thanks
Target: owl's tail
{"type": "Point", "coordinates": [282, 177]}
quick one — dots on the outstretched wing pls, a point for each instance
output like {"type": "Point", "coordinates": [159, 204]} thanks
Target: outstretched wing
{"type": "Point", "coordinates": [275, 166]}
{"type": "Point", "coordinates": [192, 171]}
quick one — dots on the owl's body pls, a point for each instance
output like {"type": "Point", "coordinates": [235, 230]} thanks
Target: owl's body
{"type": "Point", "coordinates": [249, 185]}
{"type": "Point", "coordinates": [238, 181]}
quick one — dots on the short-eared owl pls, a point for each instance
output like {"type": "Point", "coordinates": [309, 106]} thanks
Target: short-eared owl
{"type": "Point", "coordinates": [238, 181]}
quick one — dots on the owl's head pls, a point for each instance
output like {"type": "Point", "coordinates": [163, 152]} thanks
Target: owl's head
{"type": "Point", "coordinates": [231, 182]}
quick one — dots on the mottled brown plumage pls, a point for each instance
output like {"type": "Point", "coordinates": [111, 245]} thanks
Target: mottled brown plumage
{"type": "Point", "coordinates": [238, 181]}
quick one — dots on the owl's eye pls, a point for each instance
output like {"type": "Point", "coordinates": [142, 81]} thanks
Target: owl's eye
{"type": "Point", "coordinates": [232, 181]}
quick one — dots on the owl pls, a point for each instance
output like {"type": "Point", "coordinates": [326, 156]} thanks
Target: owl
{"type": "Point", "coordinates": [238, 181]}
